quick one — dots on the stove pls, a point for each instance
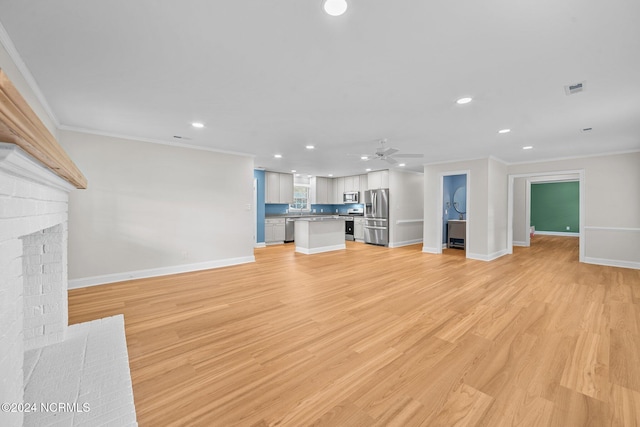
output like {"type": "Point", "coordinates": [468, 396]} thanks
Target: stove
{"type": "Point", "coordinates": [348, 223]}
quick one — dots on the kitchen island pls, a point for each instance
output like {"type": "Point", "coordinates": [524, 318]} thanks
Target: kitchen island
{"type": "Point", "coordinates": [319, 234]}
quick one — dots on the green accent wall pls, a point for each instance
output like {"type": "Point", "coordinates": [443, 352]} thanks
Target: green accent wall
{"type": "Point", "coordinates": [554, 206]}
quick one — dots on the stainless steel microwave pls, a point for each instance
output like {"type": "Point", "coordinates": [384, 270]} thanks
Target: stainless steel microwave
{"type": "Point", "coordinates": [350, 197]}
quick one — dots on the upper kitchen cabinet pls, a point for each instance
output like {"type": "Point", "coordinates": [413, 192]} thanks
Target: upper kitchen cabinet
{"type": "Point", "coordinates": [320, 191]}
{"type": "Point", "coordinates": [377, 180]}
{"type": "Point", "coordinates": [334, 197]}
{"type": "Point", "coordinates": [279, 187]}
{"type": "Point", "coordinates": [364, 185]}
{"type": "Point", "coordinates": [286, 188]}
{"type": "Point", "coordinates": [351, 184]}
{"type": "Point", "coordinates": [340, 188]}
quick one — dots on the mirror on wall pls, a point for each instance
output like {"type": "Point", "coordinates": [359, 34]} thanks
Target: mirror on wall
{"type": "Point", "coordinates": [459, 201]}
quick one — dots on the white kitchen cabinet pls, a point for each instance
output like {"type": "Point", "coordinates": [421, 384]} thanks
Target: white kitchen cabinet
{"type": "Point", "coordinates": [352, 183]}
{"type": "Point", "coordinates": [378, 179]}
{"type": "Point", "coordinates": [340, 189]}
{"type": "Point", "coordinates": [278, 187]}
{"type": "Point", "coordinates": [348, 184]}
{"type": "Point", "coordinates": [364, 186]}
{"type": "Point", "coordinates": [286, 188]}
{"type": "Point", "coordinates": [274, 230]}
{"type": "Point", "coordinates": [272, 187]}
{"type": "Point", "coordinates": [319, 191]}
{"type": "Point", "coordinates": [358, 228]}
{"type": "Point", "coordinates": [334, 197]}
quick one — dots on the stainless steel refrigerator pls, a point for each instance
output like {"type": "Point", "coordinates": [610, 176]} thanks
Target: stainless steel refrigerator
{"type": "Point", "coordinates": [376, 217]}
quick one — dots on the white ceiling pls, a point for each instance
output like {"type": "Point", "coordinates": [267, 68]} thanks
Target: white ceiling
{"type": "Point", "coordinates": [269, 77]}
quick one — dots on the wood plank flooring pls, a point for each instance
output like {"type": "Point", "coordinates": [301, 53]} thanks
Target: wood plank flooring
{"type": "Point", "coordinates": [372, 336]}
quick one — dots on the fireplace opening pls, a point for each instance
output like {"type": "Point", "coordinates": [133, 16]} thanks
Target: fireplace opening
{"type": "Point", "coordinates": [44, 287]}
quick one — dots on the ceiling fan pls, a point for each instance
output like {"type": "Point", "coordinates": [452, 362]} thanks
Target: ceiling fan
{"type": "Point", "coordinates": [389, 154]}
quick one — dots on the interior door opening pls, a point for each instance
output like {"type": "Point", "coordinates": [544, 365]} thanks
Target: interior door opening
{"type": "Point", "coordinates": [454, 207]}
{"type": "Point", "coordinates": [548, 213]}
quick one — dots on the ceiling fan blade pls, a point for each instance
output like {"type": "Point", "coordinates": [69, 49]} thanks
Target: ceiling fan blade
{"type": "Point", "coordinates": [391, 160]}
{"type": "Point", "coordinates": [409, 156]}
{"type": "Point", "coordinates": [388, 151]}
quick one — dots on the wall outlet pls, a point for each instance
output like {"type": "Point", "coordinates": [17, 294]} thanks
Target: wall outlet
{"type": "Point", "coordinates": [568, 228]}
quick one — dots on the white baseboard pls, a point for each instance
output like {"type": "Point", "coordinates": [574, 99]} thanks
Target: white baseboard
{"type": "Point", "coordinates": [489, 257]}
{"type": "Point", "coordinates": [155, 272]}
{"type": "Point", "coordinates": [405, 243]}
{"type": "Point", "coordinates": [320, 249]}
{"type": "Point", "coordinates": [520, 244]}
{"type": "Point", "coordinates": [260, 245]}
{"type": "Point", "coordinates": [556, 233]}
{"type": "Point", "coordinates": [613, 262]}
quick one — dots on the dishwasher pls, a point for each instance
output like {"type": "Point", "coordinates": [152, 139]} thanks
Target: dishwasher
{"type": "Point", "coordinates": [289, 229]}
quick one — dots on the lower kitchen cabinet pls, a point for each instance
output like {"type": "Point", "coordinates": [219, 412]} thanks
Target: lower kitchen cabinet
{"type": "Point", "coordinates": [358, 228]}
{"type": "Point", "coordinates": [274, 230]}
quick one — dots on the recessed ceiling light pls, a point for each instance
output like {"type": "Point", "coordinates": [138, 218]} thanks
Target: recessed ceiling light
{"type": "Point", "coordinates": [293, 171]}
{"type": "Point", "coordinates": [528, 147]}
{"type": "Point", "coordinates": [368, 169]}
{"type": "Point", "coordinates": [277, 156]}
{"type": "Point", "coordinates": [330, 174]}
{"type": "Point", "coordinates": [465, 100]}
{"type": "Point", "coordinates": [197, 125]}
{"type": "Point", "coordinates": [309, 176]}
{"type": "Point", "coordinates": [297, 174]}
{"type": "Point", "coordinates": [504, 131]}
{"type": "Point", "coordinates": [335, 7]}
{"type": "Point", "coordinates": [364, 158]}
{"type": "Point", "coordinates": [310, 147]}
{"type": "Point", "coordinates": [402, 165]}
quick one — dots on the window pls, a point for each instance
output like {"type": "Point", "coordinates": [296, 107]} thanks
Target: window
{"type": "Point", "coordinates": [300, 198]}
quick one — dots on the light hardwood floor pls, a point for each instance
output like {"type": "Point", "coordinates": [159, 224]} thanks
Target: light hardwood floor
{"type": "Point", "coordinates": [390, 337]}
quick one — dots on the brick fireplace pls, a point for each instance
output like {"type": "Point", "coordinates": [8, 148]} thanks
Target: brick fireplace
{"type": "Point", "coordinates": [33, 266]}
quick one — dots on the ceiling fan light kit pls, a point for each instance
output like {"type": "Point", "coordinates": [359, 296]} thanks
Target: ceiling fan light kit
{"type": "Point", "coordinates": [389, 154]}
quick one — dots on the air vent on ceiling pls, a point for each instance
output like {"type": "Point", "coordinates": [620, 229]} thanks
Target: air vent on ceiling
{"type": "Point", "coordinates": [575, 88]}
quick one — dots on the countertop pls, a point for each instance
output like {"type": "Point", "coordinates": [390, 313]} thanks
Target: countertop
{"type": "Point", "coordinates": [320, 218]}
{"type": "Point", "coordinates": [311, 215]}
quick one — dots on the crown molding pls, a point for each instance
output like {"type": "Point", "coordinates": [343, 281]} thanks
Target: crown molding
{"type": "Point", "coordinates": [6, 41]}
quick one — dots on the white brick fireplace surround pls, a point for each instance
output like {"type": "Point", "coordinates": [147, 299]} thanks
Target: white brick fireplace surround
{"type": "Point", "coordinates": [33, 310]}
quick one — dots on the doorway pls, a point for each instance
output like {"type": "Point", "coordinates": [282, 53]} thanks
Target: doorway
{"type": "Point", "coordinates": [454, 208]}
{"type": "Point", "coordinates": [519, 205]}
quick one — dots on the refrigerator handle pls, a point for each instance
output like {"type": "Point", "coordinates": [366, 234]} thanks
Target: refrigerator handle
{"type": "Point", "coordinates": [375, 204]}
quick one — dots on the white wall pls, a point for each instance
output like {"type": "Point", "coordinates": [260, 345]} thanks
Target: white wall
{"type": "Point", "coordinates": [476, 207]}
{"type": "Point", "coordinates": [611, 205]}
{"type": "Point", "coordinates": [486, 208]}
{"type": "Point", "coordinates": [520, 208]}
{"type": "Point", "coordinates": [497, 208]}
{"type": "Point", "coordinates": [406, 194]}
{"type": "Point", "coordinates": [154, 209]}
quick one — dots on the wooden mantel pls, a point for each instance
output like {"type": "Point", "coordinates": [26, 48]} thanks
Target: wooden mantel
{"type": "Point", "coordinates": [20, 125]}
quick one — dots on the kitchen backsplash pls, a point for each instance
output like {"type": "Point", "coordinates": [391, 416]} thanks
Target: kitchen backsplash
{"type": "Point", "coordinates": [275, 209]}
{"type": "Point", "coordinates": [281, 209]}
